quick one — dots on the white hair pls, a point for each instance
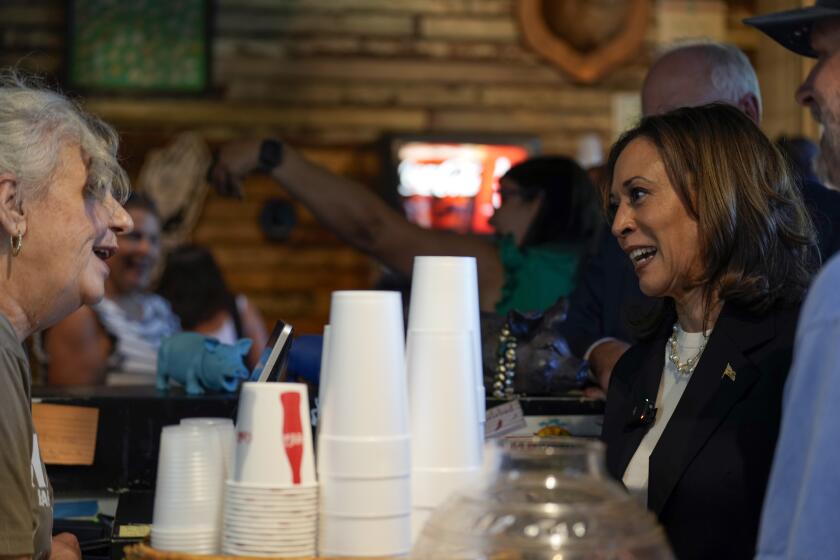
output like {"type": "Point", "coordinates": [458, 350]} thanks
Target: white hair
{"type": "Point", "coordinates": [35, 123]}
{"type": "Point", "coordinates": [732, 75]}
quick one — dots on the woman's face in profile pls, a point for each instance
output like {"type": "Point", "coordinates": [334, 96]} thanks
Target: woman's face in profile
{"type": "Point", "coordinates": [651, 223]}
{"type": "Point", "coordinates": [69, 237]}
{"type": "Point", "coordinates": [515, 215]}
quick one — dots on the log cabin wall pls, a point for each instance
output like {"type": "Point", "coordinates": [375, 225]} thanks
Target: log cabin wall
{"type": "Point", "coordinates": [331, 76]}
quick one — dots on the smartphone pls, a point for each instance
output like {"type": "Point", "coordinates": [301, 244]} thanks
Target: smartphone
{"type": "Point", "coordinates": [275, 355]}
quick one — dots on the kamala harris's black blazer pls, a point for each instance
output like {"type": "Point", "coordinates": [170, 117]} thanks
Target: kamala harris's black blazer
{"type": "Point", "coordinates": [709, 470]}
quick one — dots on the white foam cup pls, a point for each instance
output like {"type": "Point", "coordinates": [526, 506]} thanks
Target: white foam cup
{"type": "Point", "coordinates": [364, 457]}
{"type": "Point", "coordinates": [274, 436]}
{"type": "Point", "coordinates": [444, 296]}
{"type": "Point", "coordinates": [444, 430]}
{"type": "Point", "coordinates": [365, 497]}
{"type": "Point", "coordinates": [324, 371]}
{"type": "Point", "coordinates": [347, 536]}
{"type": "Point", "coordinates": [365, 389]}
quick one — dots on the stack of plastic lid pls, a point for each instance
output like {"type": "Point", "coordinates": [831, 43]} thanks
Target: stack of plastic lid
{"type": "Point", "coordinates": [227, 436]}
{"type": "Point", "coordinates": [188, 494]}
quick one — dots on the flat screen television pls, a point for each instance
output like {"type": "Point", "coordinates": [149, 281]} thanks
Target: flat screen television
{"type": "Point", "coordinates": [451, 181]}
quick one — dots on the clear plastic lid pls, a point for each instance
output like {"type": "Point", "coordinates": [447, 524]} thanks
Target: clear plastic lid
{"type": "Point", "coordinates": [544, 499]}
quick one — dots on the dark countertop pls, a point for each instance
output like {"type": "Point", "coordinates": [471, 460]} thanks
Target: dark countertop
{"type": "Point", "coordinates": [127, 439]}
{"type": "Point", "coordinates": [134, 393]}
{"type": "Point", "coordinates": [568, 405]}
{"type": "Point", "coordinates": [572, 403]}
{"type": "Point", "coordinates": [131, 419]}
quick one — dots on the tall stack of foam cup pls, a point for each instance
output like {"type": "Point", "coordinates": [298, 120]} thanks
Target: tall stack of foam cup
{"type": "Point", "coordinates": [364, 446]}
{"type": "Point", "coordinates": [188, 492]}
{"type": "Point", "coordinates": [271, 500]}
{"type": "Point", "coordinates": [322, 375]}
{"type": "Point", "coordinates": [444, 296]}
{"type": "Point", "coordinates": [446, 388]}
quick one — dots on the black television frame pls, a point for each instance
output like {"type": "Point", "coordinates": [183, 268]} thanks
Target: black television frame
{"type": "Point", "coordinates": [66, 69]}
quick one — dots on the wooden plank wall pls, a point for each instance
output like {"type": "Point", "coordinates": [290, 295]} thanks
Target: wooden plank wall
{"type": "Point", "coordinates": [331, 76]}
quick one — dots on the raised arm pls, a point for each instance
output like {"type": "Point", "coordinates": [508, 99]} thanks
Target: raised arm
{"type": "Point", "coordinates": [360, 217]}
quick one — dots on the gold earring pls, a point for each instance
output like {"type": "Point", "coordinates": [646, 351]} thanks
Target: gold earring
{"type": "Point", "coordinates": [17, 244]}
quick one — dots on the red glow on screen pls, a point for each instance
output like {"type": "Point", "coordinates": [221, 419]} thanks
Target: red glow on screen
{"type": "Point", "coordinates": [454, 186]}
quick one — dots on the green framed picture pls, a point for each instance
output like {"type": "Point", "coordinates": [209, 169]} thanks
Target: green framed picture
{"type": "Point", "coordinates": [139, 46]}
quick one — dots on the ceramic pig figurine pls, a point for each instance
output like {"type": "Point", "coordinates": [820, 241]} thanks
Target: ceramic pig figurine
{"type": "Point", "coordinates": [200, 362]}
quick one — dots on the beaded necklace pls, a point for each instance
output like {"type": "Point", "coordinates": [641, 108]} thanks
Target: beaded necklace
{"type": "Point", "coordinates": [687, 367]}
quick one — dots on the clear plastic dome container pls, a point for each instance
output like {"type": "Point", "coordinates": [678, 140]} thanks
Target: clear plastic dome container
{"type": "Point", "coordinates": [543, 500]}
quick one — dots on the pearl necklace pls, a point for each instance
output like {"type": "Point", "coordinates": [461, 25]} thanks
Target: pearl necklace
{"type": "Point", "coordinates": [687, 367]}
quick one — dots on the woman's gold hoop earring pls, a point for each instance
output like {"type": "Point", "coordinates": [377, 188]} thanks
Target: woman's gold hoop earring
{"type": "Point", "coordinates": [17, 244]}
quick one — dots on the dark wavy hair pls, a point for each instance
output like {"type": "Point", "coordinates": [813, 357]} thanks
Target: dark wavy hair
{"type": "Point", "coordinates": [569, 210]}
{"type": "Point", "coordinates": [195, 287]}
{"type": "Point", "coordinates": [137, 199]}
{"type": "Point", "coordinates": [757, 240]}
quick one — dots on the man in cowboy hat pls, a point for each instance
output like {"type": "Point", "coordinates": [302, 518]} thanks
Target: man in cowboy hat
{"type": "Point", "coordinates": [815, 32]}
{"type": "Point", "coordinates": [801, 518]}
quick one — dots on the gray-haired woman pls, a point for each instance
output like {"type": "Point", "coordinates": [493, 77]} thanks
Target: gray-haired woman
{"type": "Point", "coordinates": [58, 225]}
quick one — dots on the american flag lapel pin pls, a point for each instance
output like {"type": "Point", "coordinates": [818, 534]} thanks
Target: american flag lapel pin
{"type": "Point", "coordinates": [729, 372]}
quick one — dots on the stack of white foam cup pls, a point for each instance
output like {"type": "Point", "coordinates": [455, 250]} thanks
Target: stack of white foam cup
{"type": "Point", "coordinates": [271, 500]}
{"type": "Point", "coordinates": [364, 446]}
{"type": "Point", "coordinates": [445, 450]}
{"type": "Point", "coordinates": [444, 296]}
{"type": "Point", "coordinates": [188, 492]}
{"type": "Point", "coordinates": [446, 388]}
{"type": "Point", "coordinates": [322, 375]}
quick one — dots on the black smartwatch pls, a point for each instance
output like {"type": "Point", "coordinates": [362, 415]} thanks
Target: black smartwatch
{"type": "Point", "coordinates": [271, 155]}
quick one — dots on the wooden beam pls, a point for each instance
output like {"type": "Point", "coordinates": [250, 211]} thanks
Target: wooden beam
{"type": "Point", "coordinates": [187, 113]}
